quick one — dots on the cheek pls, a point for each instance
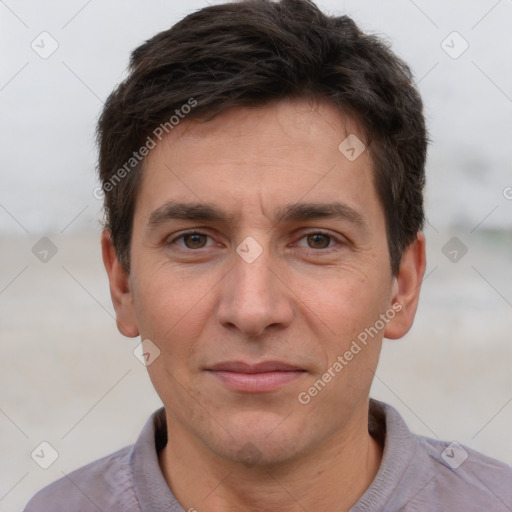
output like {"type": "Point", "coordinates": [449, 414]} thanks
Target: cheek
{"type": "Point", "coordinates": [345, 309]}
{"type": "Point", "coordinates": [345, 302]}
{"type": "Point", "coordinates": [172, 313]}
{"type": "Point", "coordinates": [172, 307]}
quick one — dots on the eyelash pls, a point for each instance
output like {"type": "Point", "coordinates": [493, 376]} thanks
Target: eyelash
{"type": "Point", "coordinates": [338, 241]}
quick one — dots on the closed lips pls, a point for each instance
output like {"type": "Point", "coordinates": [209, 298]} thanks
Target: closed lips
{"type": "Point", "coordinates": [263, 367]}
{"type": "Point", "coordinates": [262, 377]}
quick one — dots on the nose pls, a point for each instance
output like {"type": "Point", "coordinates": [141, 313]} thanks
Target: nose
{"type": "Point", "coordinates": [253, 299]}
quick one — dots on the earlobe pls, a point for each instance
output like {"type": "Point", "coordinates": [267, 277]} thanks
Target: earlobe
{"type": "Point", "coordinates": [120, 290]}
{"type": "Point", "coordinates": [406, 288]}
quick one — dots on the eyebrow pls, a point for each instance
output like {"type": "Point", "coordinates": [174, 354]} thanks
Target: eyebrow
{"type": "Point", "coordinates": [295, 212]}
{"type": "Point", "coordinates": [186, 211]}
{"type": "Point", "coordinates": [305, 211]}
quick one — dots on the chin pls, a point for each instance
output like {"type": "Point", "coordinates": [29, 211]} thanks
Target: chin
{"type": "Point", "coordinates": [261, 439]}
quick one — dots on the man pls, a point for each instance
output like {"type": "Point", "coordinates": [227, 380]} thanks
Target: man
{"type": "Point", "coordinates": [263, 168]}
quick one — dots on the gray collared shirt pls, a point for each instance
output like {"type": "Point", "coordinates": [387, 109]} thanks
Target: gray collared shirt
{"type": "Point", "coordinates": [416, 474]}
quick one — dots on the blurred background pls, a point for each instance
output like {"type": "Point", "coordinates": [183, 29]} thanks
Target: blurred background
{"type": "Point", "coordinates": [70, 379]}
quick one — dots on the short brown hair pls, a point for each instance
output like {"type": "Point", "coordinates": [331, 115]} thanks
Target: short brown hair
{"type": "Point", "coordinates": [253, 53]}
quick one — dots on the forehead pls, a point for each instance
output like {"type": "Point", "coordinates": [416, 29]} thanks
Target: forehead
{"type": "Point", "coordinates": [261, 158]}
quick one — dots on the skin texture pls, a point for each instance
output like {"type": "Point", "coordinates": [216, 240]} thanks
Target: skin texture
{"type": "Point", "coordinates": [302, 301]}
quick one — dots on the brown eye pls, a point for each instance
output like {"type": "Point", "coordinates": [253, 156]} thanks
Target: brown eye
{"type": "Point", "coordinates": [194, 240]}
{"type": "Point", "coordinates": [318, 241]}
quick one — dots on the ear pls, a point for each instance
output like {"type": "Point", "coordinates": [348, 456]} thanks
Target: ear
{"type": "Point", "coordinates": [120, 291]}
{"type": "Point", "coordinates": [406, 288]}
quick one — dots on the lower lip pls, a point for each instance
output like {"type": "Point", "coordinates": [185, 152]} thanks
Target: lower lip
{"type": "Point", "coordinates": [256, 382]}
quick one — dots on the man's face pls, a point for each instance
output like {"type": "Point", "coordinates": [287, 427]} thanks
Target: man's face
{"type": "Point", "coordinates": [291, 299]}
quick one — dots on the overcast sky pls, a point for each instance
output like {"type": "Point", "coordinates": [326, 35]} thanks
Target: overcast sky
{"type": "Point", "coordinates": [49, 105]}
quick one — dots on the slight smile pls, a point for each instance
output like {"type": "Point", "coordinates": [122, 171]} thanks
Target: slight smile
{"type": "Point", "coordinates": [255, 378]}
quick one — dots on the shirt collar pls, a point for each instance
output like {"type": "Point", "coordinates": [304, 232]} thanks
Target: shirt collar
{"type": "Point", "coordinates": [385, 423]}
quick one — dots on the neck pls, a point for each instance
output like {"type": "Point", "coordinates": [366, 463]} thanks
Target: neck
{"type": "Point", "coordinates": [331, 477]}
